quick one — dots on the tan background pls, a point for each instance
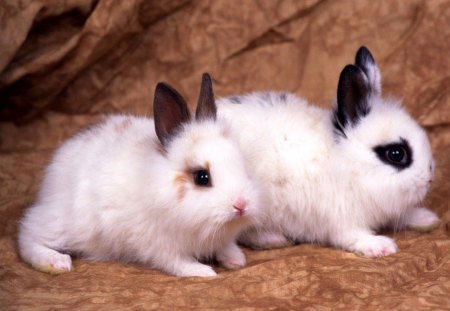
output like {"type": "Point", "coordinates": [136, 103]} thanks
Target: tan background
{"type": "Point", "coordinates": [62, 63]}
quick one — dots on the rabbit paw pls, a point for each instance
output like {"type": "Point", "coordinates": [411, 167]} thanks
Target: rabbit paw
{"type": "Point", "coordinates": [422, 219]}
{"type": "Point", "coordinates": [194, 269]}
{"type": "Point", "coordinates": [56, 263]}
{"type": "Point", "coordinates": [231, 257]}
{"type": "Point", "coordinates": [374, 246]}
{"type": "Point", "coordinates": [265, 240]}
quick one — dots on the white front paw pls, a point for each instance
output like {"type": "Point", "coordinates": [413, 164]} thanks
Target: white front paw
{"type": "Point", "coordinates": [422, 219]}
{"type": "Point", "coordinates": [202, 270]}
{"type": "Point", "coordinates": [57, 263]}
{"type": "Point", "coordinates": [375, 246]}
{"type": "Point", "coordinates": [264, 240]}
{"type": "Point", "coordinates": [195, 269]}
{"type": "Point", "coordinates": [232, 257]}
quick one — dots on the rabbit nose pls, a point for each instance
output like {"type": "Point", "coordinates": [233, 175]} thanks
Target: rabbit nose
{"type": "Point", "coordinates": [239, 205]}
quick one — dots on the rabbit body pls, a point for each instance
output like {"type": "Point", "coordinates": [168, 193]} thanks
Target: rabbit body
{"type": "Point", "coordinates": [326, 173]}
{"type": "Point", "coordinates": [114, 192]}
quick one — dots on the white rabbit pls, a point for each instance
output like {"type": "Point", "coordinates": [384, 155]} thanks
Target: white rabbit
{"type": "Point", "coordinates": [335, 177]}
{"type": "Point", "coordinates": [162, 193]}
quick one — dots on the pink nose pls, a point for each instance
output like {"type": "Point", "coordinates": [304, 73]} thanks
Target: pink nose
{"type": "Point", "coordinates": [240, 205]}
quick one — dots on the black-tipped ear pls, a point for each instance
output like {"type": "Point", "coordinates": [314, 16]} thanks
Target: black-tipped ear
{"type": "Point", "coordinates": [366, 62]}
{"type": "Point", "coordinates": [352, 98]}
{"type": "Point", "coordinates": [170, 111]}
{"type": "Point", "coordinates": [206, 106]}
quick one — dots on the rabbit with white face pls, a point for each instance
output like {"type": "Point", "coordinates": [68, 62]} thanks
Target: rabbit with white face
{"type": "Point", "coordinates": [162, 193]}
{"type": "Point", "coordinates": [335, 177]}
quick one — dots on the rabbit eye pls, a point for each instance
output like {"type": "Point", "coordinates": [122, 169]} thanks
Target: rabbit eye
{"type": "Point", "coordinates": [202, 178]}
{"type": "Point", "coordinates": [398, 155]}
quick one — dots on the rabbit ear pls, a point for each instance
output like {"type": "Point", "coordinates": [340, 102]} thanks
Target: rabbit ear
{"type": "Point", "coordinates": [206, 106]}
{"type": "Point", "coordinates": [366, 62]}
{"type": "Point", "coordinates": [352, 98]}
{"type": "Point", "coordinates": [170, 111]}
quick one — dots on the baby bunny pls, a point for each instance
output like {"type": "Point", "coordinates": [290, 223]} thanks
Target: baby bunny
{"type": "Point", "coordinates": [335, 177]}
{"type": "Point", "coordinates": [163, 193]}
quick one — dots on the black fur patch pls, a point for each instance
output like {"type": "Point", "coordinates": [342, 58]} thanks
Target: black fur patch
{"type": "Point", "coordinates": [235, 99]}
{"type": "Point", "coordinates": [364, 59]}
{"type": "Point", "coordinates": [390, 154]}
{"type": "Point", "coordinates": [282, 96]}
{"type": "Point", "coordinates": [352, 98]}
{"type": "Point", "coordinates": [338, 128]}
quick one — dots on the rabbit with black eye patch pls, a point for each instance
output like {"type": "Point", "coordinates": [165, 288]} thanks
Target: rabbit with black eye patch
{"type": "Point", "coordinates": [163, 193]}
{"type": "Point", "coordinates": [335, 177]}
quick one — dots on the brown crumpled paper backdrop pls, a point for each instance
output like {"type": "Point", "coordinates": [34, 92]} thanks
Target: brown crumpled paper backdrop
{"type": "Point", "coordinates": [62, 63]}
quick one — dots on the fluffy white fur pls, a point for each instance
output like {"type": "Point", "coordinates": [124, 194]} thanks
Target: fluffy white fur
{"type": "Point", "coordinates": [111, 193]}
{"type": "Point", "coordinates": [324, 187]}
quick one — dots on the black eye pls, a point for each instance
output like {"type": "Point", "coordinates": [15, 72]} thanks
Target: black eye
{"type": "Point", "coordinates": [396, 154]}
{"type": "Point", "coordinates": [202, 178]}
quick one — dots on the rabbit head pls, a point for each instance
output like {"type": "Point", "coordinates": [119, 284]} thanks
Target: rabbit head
{"type": "Point", "coordinates": [210, 185]}
{"type": "Point", "coordinates": [383, 151]}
